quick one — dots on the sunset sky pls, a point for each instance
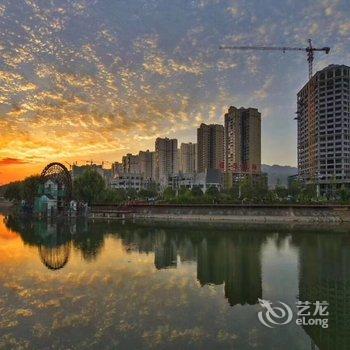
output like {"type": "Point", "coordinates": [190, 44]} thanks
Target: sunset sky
{"type": "Point", "coordinates": [89, 80]}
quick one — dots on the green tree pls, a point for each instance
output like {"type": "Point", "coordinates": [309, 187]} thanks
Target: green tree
{"type": "Point", "coordinates": [295, 189]}
{"type": "Point", "coordinates": [246, 188]}
{"type": "Point", "coordinates": [169, 194]}
{"type": "Point", "coordinates": [344, 194]}
{"type": "Point", "coordinates": [13, 191]}
{"type": "Point", "coordinates": [254, 189]}
{"type": "Point", "coordinates": [147, 193]}
{"type": "Point", "coordinates": [281, 192]}
{"type": "Point", "coordinates": [30, 187]}
{"type": "Point", "coordinates": [184, 196]}
{"type": "Point", "coordinates": [212, 194]}
{"type": "Point", "coordinates": [89, 187]}
{"type": "Point", "coordinates": [114, 196]}
{"type": "Point", "coordinates": [196, 191]}
{"type": "Point", "coordinates": [131, 193]}
{"type": "Point", "coordinates": [183, 190]}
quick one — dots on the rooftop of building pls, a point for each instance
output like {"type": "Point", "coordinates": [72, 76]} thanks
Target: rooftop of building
{"type": "Point", "coordinates": [325, 69]}
{"type": "Point", "coordinates": [232, 108]}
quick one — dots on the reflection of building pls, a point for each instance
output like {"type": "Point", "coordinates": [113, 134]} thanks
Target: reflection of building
{"type": "Point", "coordinates": [210, 147]}
{"type": "Point", "coordinates": [165, 255]}
{"type": "Point", "coordinates": [234, 261]}
{"type": "Point", "coordinates": [325, 276]}
{"type": "Point", "coordinates": [243, 141]}
{"type": "Point", "coordinates": [243, 281]}
{"type": "Point", "coordinates": [324, 128]}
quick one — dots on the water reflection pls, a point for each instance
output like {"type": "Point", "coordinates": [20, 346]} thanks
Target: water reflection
{"type": "Point", "coordinates": [53, 239]}
{"type": "Point", "coordinates": [325, 275]}
{"type": "Point", "coordinates": [230, 260]}
{"type": "Point", "coordinates": [224, 256]}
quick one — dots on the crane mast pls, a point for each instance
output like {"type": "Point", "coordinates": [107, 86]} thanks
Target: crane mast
{"type": "Point", "coordinates": [310, 50]}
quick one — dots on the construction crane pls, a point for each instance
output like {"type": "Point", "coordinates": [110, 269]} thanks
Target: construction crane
{"type": "Point", "coordinates": [310, 50]}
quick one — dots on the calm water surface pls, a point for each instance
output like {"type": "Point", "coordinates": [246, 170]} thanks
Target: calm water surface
{"type": "Point", "coordinates": [100, 285]}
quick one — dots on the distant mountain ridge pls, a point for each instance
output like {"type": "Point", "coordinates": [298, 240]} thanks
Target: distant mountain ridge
{"type": "Point", "coordinates": [278, 174]}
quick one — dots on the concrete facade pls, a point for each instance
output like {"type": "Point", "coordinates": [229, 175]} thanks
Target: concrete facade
{"type": "Point", "coordinates": [166, 158]}
{"type": "Point", "coordinates": [188, 157]}
{"type": "Point", "coordinates": [210, 147]}
{"type": "Point", "coordinates": [324, 129]}
{"type": "Point", "coordinates": [128, 181]}
{"type": "Point", "coordinates": [131, 163]}
{"type": "Point", "coordinates": [243, 140]}
{"type": "Point", "coordinates": [147, 164]}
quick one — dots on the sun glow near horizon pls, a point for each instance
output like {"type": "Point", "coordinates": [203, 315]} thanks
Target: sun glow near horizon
{"type": "Point", "coordinates": [71, 94]}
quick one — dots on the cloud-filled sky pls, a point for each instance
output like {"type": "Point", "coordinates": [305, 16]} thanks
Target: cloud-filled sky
{"type": "Point", "coordinates": [93, 79]}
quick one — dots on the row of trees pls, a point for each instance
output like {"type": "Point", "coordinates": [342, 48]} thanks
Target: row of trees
{"type": "Point", "coordinates": [91, 188]}
{"type": "Point", "coordinates": [23, 190]}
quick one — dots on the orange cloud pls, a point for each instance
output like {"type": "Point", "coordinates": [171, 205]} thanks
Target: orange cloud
{"type": "Point", "coordinates": [11, 161]}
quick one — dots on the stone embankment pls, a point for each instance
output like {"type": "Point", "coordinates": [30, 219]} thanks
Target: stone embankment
{"type": "Point", "coordinates": [241, 213]}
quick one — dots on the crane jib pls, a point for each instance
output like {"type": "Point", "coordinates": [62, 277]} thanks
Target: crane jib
{"type": "Point", "coordinates": [309, 50]}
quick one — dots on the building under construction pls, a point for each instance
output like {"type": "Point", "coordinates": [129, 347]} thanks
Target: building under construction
{"type": "Point", "coordinates": [324, 129]}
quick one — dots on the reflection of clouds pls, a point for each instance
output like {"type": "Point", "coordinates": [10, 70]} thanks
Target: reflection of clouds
{"type": "Point", "coordinates": [121, 298]}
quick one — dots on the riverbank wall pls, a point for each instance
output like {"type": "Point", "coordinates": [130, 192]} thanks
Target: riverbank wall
{"type": "Point", "coordinates": [241, 213]}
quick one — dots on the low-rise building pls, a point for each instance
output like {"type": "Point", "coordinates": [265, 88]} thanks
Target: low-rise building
{"type": "Point", "coordinates": [204, 180]}
{"type": "Point", "coordinates": [46, 203]}
{"type": "Point", "coordinates": [128, 181]}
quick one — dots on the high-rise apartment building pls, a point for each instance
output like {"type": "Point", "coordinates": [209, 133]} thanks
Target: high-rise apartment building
{"type": "Point", "coordinates": [210, 147]}
{"type": "Point", "coordinates": [131, 164]}
{"type": "Point", "coordinates": [324, 129]}
{"type": "Point", "coordinates": [147, 164]}
{"type": "Point", "coordinates": [166, 158]}
{"type": "Point", "coordinates": [243, 141]}
{"type": "Point", "coordinates": [188, 157]}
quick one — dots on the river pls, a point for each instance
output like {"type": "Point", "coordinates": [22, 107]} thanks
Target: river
{"type": "Point", "coordinates": [139, 285]}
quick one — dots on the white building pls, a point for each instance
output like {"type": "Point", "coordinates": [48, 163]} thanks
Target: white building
{"type": "Point", "coordinates": [210, 178]}
{"type": "Point", "coordinates": [128, 181]}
